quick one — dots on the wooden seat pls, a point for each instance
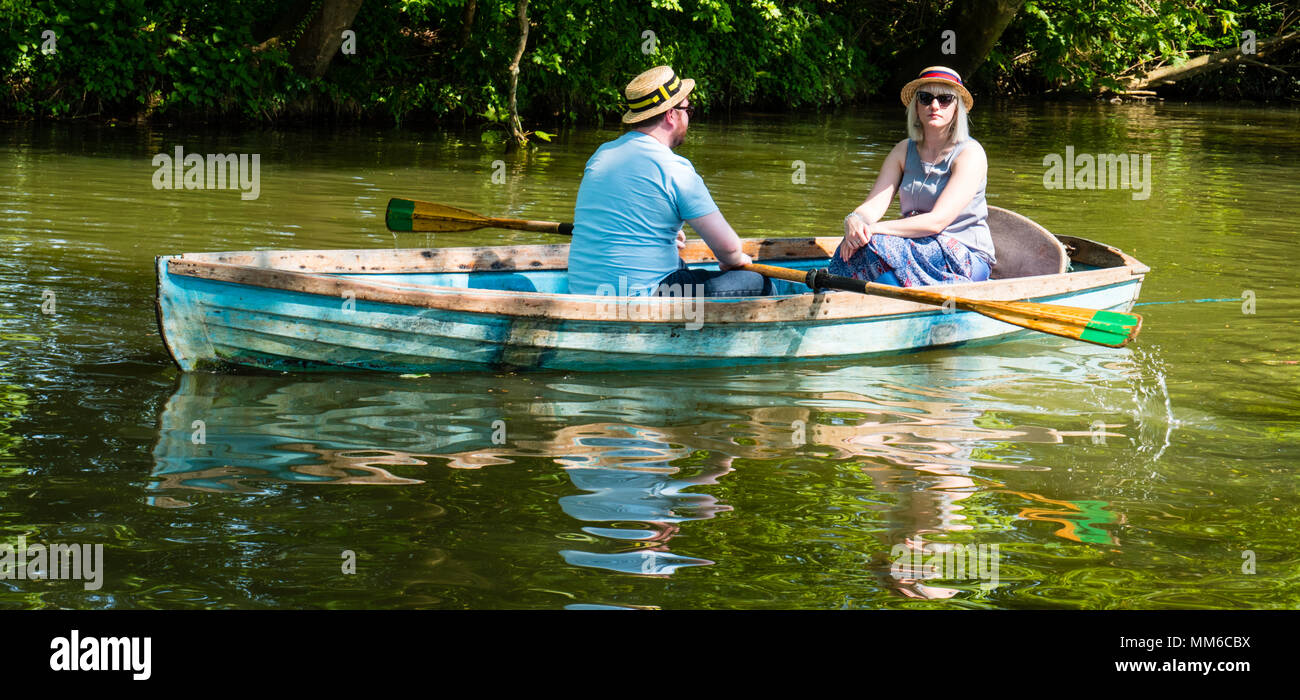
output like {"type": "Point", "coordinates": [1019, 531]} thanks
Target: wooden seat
{"type": "Point", "coordinates": [1023, 248]}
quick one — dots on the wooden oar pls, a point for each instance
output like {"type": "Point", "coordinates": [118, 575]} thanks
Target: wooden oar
{"type": "Point", "coordinates": [1110, 328]}
{"type": "Point", "coordinates": [409, 215]}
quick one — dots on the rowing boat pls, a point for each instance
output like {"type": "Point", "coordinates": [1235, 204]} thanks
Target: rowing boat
{"type": "Point", "coordinates": [508, 307]}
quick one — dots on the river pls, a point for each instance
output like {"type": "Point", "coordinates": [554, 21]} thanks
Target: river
{"type": "Point", "coordinates": [1059, 474]}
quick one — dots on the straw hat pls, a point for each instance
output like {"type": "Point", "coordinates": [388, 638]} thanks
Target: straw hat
{"type": "Point", "coordinates": [938, 74]}
{"type": "Point", "coordinates": [654, 92]}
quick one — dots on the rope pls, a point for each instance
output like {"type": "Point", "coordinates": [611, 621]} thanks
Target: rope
{"type": "Point", "coordinates": [1185, 301]}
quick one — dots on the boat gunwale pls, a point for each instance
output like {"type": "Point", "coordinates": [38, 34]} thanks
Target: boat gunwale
{"type": "Point", "coordinates": [802, 307]}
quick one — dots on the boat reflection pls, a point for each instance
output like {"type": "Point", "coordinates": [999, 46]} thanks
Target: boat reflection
{"type": "Point", "coordinates": [647, 455]}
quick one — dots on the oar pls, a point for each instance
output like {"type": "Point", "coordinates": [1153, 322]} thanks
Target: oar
{"type": "Point", "coordinates": [1110, 328]}
{"type": "Point", "coordinates": [408, 215]}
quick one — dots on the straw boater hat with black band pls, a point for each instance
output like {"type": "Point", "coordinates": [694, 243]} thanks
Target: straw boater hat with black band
{"type": "Point", "coordinates": [938, 74]}
{"type": "Point", "coordinates": [654, 92]}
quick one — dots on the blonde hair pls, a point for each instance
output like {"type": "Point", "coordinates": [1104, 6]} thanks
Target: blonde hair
{"type": "Point", "coordinates": [958, 131]}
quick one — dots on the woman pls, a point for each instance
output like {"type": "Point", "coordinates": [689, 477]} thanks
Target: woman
{"type": "Point", "coordinates": [939, 173]}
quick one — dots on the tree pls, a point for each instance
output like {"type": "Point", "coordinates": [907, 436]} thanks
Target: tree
{"type": "Point", "coordinates": [1167, 75]}
{"type": "Point", "coordinates": [519, 138]}
{"type": "Point", "coordinates": [976, 25]}
{"type": "Point", "coordinates": [321, 39]}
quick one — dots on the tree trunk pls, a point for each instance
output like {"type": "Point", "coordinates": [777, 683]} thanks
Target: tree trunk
{"type": "Point", "coordinates": [320, 41]}
{"type": "Point", "coordinates": [466, 23]}
{"type": "Point", "coordinates": [977, 25]}
{"type": "Point", "coordinates": [1167, 75]}
{"type": "Point", "coordinates": [516, 128]}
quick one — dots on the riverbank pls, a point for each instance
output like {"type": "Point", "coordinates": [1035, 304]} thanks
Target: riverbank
{"type": "Point", "coordinates": [439, 63]}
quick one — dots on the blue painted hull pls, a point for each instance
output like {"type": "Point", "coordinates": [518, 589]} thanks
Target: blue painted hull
{"type": "Point", "coordinates": [209, 324]}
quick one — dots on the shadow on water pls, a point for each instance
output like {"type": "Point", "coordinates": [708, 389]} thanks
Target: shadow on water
{"type": "Point", "coordinates": [908, 450]}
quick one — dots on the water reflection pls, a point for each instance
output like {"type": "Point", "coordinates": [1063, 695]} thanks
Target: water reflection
{"type": "Point", "coordinates": [894, 452]}
{"type": "Point", "coordinates": [630, 479]}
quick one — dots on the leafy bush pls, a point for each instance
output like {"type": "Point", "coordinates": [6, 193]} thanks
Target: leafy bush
{"type": "Point", "coordinates": [416, 59]}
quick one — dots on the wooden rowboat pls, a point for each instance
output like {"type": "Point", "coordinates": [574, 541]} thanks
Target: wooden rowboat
{"type": "Point", "coordinates": [507, 307]}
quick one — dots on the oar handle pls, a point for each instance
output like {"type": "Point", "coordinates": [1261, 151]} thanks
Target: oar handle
{"type": "Point", "coordinates": [563, 229]}
{"type": "Point", "coordinates": [784, 273]}
{"type": "Point", "coordinates": [821, 279]}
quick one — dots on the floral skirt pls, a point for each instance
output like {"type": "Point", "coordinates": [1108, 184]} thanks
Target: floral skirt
{"type": "Point", "coordinates": [916, 262]}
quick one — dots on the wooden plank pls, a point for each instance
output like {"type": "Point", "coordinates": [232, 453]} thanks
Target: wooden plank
{"type": "Point", "coordinates": [797, 308]}
{"type": "Point", "coordinates": [484, 258]}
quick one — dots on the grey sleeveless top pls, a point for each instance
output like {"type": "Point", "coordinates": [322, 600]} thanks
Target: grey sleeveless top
{"type": "Point", "coordinates": [920, 188]}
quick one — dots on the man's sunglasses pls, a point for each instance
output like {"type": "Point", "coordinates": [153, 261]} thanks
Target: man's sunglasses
{"type": "Point", "coordinates": [688, 109]}
{"type": "Point", "coordinates": [926, 98]}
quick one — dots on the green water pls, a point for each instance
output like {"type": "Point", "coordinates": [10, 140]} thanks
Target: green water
{"type": "Point", "coordinates": [1161, 475]}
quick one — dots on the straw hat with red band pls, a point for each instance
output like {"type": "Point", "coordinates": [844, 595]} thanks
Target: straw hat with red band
{"type": "Point", "coordinates": [654, 92]}
{"type": "Point", "coordinates": [938, 74]}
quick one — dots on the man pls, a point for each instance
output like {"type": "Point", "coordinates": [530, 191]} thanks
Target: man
{"type": "Point", "coordinates": [634, 197]}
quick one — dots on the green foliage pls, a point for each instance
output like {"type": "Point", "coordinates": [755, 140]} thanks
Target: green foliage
{"type": "Point", "coordinates": [414, 59]}
{"type": "Point", "coordinates": [746, 52]}
{"type": "Point", "coordinates": [122, 58]}
{"type": "Point", "coordinates": [1084, 45]}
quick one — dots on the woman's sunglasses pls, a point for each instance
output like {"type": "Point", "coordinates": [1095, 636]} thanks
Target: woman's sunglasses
{"type": "Point", "coordinates": [926, 98]}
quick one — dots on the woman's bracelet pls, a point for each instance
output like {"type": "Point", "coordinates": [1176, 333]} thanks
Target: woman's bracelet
{"type": "Point", "coordinates": [864, 221]}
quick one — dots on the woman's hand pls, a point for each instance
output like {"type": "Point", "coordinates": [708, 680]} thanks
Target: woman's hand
{"type": "Point", "coordinates": [857, 234]}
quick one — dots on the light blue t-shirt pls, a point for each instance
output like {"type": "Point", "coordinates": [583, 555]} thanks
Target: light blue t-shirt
{"type": "Point", "coordinates": [634, 197]}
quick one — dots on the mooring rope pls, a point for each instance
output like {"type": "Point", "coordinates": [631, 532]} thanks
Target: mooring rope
{"type": "Point", "coordinates": [1184, 301]}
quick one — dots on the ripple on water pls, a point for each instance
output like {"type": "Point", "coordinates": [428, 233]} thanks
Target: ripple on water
{"type": "Point", "coordinates": [1108, 477]}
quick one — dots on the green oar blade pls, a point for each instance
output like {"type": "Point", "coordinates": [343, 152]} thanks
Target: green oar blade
{"type": "Point", "coordinates": [408, 215]}
{"type": "Point", "coordinates": [1111, 328]}
{"type": "Point", "coordinates": [400, 215]}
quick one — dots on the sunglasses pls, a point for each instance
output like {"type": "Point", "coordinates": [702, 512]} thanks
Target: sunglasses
{"type": "Point", "coordinates": [926, 98]}
{"type": "Point", "coordinates": [688, 109]}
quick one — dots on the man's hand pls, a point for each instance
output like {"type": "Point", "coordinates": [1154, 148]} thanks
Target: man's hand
{"type": "Point", "coordinates": [681, 239]}
{"type": "Point", "coordinates": [721, 239]}
{"type": "Point", "coordinates": [742, 260]}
